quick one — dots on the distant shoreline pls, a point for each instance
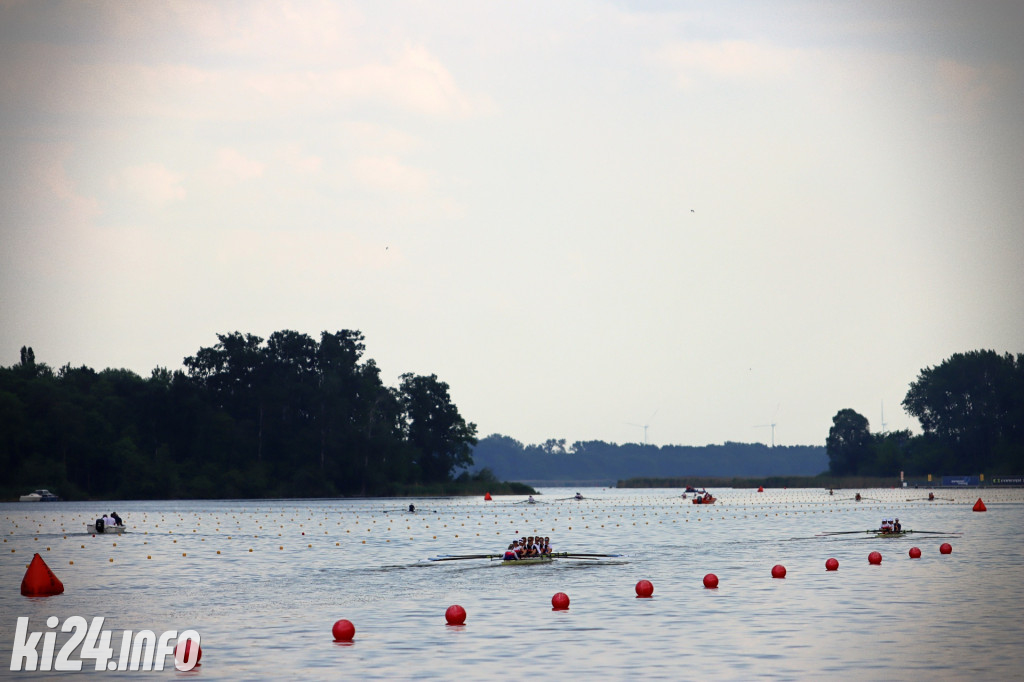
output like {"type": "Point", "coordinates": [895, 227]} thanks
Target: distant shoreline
{"type": "Point", "coordinates": [833, 482]}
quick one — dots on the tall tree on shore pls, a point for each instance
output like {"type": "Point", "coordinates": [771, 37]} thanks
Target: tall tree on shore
{"type": "Point", "coordinates": [973, 403]}
{"type": "Point", "coordinates": [849, 443]}
{"type": "Point", "coordinates": [442, 439]}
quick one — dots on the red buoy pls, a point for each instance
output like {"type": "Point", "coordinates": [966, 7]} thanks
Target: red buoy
{"type": "Point", "coordinates": [980, 506]}
{"type": "Point", "coordinates": [487, 497]}
{"type": "Point", "coordinates": [644, 589]}
{"type": "Point", "coordinates": [875, 558]}
{"type": "Point", "coordinates": [915, 553]}
{"type": "Point", "coordinates": [778, 571]}
{"type": "Point", "coordinates": [560, 601]}
{"type": "Point", "coordinates": [182, 658]}
{"type": "Point", "coordinates": [39, 580]}
{"type": "Point", "coordinates": [711, 581]}
{"type": "Point", "coordinates": [832, 564]}
{"type": "Point", "coordinates": [760, 488]}
{"type": "Point", "coordinates": [343, 631]}
{"type": "Point", "coordinates": [455, 615]}
{"type": "Point", "coordinates": [945, 548]}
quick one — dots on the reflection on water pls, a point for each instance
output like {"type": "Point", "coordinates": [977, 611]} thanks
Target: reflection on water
{"type": "Point", "coordinates": [263, 582]}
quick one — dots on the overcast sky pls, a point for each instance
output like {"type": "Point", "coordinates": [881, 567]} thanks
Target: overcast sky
{"type": "Point", "coordinates": [585, 217]}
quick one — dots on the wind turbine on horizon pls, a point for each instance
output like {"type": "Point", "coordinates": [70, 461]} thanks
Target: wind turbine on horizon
{"type": "Point", "coordinates": [644, 426]}
{"type": "Point", "coordinates": [772, 425]}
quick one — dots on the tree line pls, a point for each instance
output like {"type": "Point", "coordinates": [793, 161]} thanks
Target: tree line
{"type": "Point", "coordinates": [971, 411]}
{"type": "Point", "coordinates": [599, 462]}
{"type": "Point", "coordinates": [286, 416]}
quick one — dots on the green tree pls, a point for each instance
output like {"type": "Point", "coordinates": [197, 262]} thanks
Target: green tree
{"type": "Point", "coordinates": [889, 454]}
{"type": "Point", "coordinates": [849, 443]}
{"type": "Point", "coordinates": [441, 439]}
{"type": "Point", "coordinates": [973, 404]}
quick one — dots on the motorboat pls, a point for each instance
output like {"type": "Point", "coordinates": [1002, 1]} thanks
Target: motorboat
{"type": "Point", "coordinates": [98, 526]}
{"type": "Point", "coordinates": [39, 496]}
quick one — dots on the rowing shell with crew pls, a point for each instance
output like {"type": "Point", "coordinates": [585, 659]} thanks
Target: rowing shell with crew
{"type": "Point", "coordinates": [889, 528]}
{"type": "Point", "coordinates": [526, 551]}
{"type": "Point", "coordinates": [499, 559]}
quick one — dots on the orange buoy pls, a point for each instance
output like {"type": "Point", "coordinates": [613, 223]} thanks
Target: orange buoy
{"type": "Point", "coordinates": [455, 615]}
{"type": "Point", "coordinates": [945, 548]}
{"type": "Point", "coordinates": [875, 558]}
{"type": "Point", "coordinates": [39, 580]}
{"type": "Point", "coordinates": [915, 553]}
{"type": "Point", "coordinates": [832, 564]}
{"type": "Point", "coordinates": [644, 589]}
{"type": "Point", "coordinates": [711, 581]}
{"type": "Point", "coordinates": [560, 601]}
{"type": "Point", "coordinates": [980, 506]}
{"type": "Point", "coordinates": [778, 571]}
{"type": "Point", "coordinates": [343, 631]}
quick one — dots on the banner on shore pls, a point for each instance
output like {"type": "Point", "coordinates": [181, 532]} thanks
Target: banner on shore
{"type": "Point", "coordinates": [960, 480]}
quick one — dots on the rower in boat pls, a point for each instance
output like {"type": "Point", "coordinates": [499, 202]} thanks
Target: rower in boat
{"type": "Point", "coordinates": [578, 496]}
{"type": "Point", "coordinates": [511, 554]}
{"type": "Point", "coordinates": [931, 496]}
{"type": "Point", "coordinates": [533, 547]}
{"type": "Point", "coordinates": [886, 526]}
{"type": "Point", "coordinates": [857, 497]}
{"type": "Point", "coordinates": [412, 508]}
{"type": "Point", "coordinates": [897, 527]}
{"type": "Point", "coordinates": [530, 500]}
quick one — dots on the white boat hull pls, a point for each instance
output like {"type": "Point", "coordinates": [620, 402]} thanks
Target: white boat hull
{"type": "Point", "coordinates": [107, 530]}
{"type": "Point", "coordinates": [39, 496]}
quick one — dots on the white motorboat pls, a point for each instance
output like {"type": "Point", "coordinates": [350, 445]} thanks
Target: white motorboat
{"type": "Point", "coordinates": [98, 526]}
{"type": "Point", "coordinates": [39, 496]}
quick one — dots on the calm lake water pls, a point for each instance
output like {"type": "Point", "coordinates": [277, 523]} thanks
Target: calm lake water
{"type": "Point", "coordinates": [264, 581]}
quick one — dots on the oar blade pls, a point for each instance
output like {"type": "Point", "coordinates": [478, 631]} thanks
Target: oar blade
{"type": "Point", "coordinates": [445, 557]}
{"type": "Point", "coordinates": [584, 555]}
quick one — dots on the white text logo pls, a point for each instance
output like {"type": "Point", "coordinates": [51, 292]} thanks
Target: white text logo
{"type": "Point", "coordinates": [141, 650]}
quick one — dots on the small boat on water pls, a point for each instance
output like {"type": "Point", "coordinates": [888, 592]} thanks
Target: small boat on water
{"type": "Point", "coordinates": [98, 526]}
{"type": "Point", "coordinates": [39, 496]}
{"type": "Point", "coordinates": [704, 499]}
{"type": "Point", "coordinates": [890, 533]}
